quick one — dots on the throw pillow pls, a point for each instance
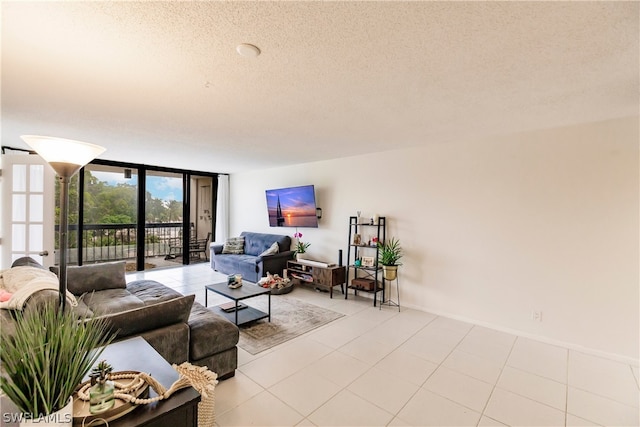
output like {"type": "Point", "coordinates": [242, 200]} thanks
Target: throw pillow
{"type": "Point", "coordinates": [96, 277]}
{"type": "Point", "coordinates": [233, 245]}
{"type": "Point", "coordinates": [273, 249]}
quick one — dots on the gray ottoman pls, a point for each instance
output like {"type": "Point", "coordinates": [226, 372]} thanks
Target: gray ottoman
{"type": "Point", "coordinates": [213, 341]}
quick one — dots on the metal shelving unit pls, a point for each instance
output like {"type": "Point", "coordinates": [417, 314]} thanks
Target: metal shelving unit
{"type": "Point", "coordinates": [361, 244]}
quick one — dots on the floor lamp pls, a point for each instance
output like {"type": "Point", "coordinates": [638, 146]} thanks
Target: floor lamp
{"type": "Point", "coordinates": [66, 157]}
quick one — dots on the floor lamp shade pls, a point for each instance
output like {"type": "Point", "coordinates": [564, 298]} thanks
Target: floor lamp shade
{"type": "Point", "coordinates": [66, 157]}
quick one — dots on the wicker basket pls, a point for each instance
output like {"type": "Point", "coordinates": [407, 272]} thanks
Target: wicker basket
{"type": "Point", "coordinates": [288, 288]}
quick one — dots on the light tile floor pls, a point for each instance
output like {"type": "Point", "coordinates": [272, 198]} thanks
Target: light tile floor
{"type": "Point", "coordinates": [383, 367]}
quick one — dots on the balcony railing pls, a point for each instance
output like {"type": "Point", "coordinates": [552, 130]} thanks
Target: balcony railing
{"type": "Point", "coordinates": [113, 242]}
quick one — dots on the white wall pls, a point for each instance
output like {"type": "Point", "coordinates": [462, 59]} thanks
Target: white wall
{"type": "Point", "coordinates": [493, 229]}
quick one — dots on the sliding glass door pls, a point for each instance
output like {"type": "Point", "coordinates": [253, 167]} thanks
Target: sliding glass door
{"type": "Point", "coordinates": [109, 215]}
{"type": "Point", "coordinates": [164, 219]}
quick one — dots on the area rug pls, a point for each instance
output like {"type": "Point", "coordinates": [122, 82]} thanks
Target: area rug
{"type": "Point", "coordinates": [290, 318]}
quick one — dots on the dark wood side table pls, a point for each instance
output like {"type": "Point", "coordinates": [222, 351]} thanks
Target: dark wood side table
{"type": "Point", "coordinates": [320, 277]}
{"type": "Point", "coordinates": [181, 409]}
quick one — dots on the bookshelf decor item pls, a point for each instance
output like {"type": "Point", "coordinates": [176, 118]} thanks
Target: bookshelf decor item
{"type": "Point", "coordinates": [368, 261]}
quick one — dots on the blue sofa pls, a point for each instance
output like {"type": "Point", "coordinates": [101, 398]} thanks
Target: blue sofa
{"type": "Point", "coordinates": [250, 264]}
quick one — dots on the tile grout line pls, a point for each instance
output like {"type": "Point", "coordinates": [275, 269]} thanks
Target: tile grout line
{"type": "Point", "coordinates": [434, 371]}
{"type": "Point", "coordinates": [493, 389]}
{"type": "Point", "coordinates": [345, 388]}
{"type": "Point", "coordinates": [633, 374]}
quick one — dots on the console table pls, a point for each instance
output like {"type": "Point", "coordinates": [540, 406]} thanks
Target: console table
{"type": "Point", "coordinates": [181, 409]}
{"type": "Point", "coordinates": [318, 276]}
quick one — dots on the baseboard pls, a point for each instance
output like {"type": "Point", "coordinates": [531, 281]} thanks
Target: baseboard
{"type": "Point", "coordinates": [568, 345]}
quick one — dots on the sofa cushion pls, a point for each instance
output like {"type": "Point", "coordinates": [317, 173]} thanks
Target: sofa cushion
{"type": "Point", "coordinates": [151, 292]}
{"type": "Point", "coordinates": [236, 263]}
{"type": "Point", "coordinates": [273, 249]}
{"type": "Point", "coordinates": [111, 301]}
{"type": "Point", "coordinates": [149, 317]}
{"type": "Point", "coordinates": [233, 245]}
{"type": "Point", "coordinates": [96, 277]}
{"type": "Point", "coordinates": [210, 333]}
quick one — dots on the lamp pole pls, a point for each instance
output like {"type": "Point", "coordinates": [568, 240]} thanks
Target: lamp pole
{"type": "Point", "coordinates": [64, 239]}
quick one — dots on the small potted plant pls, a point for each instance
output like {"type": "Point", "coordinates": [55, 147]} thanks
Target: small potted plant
{"type": "Point", "coordinates": [389, 254]}
{"type": "Point", "coordinates": [101, 393]}
{"type": "Point", "coordinates": [300, 246]}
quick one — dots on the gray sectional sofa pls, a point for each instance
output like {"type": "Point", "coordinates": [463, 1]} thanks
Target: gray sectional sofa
{"type": "Point", "coordinates": [176, 326]}
{"type": "Point", "coordinates": [250, 261]}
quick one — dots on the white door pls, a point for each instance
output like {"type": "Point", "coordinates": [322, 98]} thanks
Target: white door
{"type": "Point", "coordinates": [28, 209]}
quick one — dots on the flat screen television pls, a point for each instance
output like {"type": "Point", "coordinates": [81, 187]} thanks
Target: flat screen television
{"type": "Point", "coordinates": [292, 207]}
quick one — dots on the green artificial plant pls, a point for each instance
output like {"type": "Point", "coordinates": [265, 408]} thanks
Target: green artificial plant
{"type": "Point", "coordinates": [389, 252]}
{"type": "Point", "coordinates": [47, 355]}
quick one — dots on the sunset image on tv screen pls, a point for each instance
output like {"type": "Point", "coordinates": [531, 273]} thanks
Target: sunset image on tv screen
{"type": "Point", "coordinates": [292, 207]}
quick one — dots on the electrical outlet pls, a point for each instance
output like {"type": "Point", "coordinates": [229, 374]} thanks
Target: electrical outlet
{"type": "Point", "coordinates": [536, 316]}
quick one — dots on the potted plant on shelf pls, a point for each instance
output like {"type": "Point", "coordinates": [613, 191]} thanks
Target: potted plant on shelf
{"type": "Point", "coordinates": [389, 254]}
{"type": "Point", "coordinates": [44, 358]}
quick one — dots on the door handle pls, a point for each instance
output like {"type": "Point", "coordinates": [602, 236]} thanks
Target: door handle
{"type": "Point", "coordinates": [44, 253]}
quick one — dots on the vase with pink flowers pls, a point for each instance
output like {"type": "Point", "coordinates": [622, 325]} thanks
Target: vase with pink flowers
{"type": "Point", "coordinates": [300, 247]}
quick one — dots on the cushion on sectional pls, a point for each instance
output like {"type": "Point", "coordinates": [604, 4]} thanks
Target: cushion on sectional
{"type": "Point", "coordinates": [96, 277]}
{"type": "Point", "coordinates": [151, 292]}
{"type": "Point", "coordinates": [111, 301]}
{"type": "Point", "coordinates": [273, 249]}
{"type": "Point", "coordinates": [150, 317]}
{"type": "Point", "coordinates": [234, 245]}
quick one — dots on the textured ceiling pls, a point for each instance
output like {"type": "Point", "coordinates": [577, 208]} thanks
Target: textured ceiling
{"type": "Point", "coordinates": [161, 82]}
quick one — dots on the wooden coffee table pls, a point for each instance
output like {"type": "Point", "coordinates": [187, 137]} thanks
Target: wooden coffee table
{"type": "Point", "coordinates": [247, 290]}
